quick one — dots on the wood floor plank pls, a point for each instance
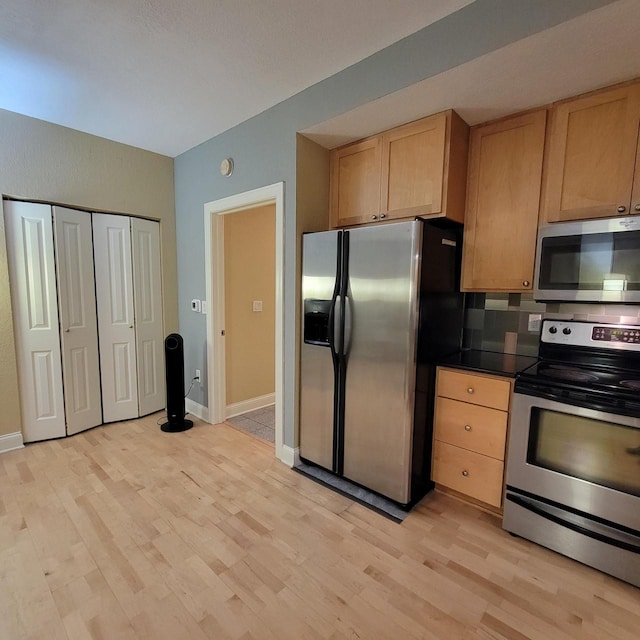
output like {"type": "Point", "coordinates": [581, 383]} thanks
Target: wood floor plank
{"type": "Point", "coordinates": [125, 532]}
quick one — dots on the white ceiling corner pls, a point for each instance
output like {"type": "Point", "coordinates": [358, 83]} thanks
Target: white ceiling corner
{"type": "Point", "coordinates": [165, 75]}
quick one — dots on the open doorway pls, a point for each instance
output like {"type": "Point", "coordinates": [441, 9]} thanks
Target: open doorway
{"type": "Point", "coordinates": [249, 304]}
{"type": "Point", "coordinates": [214, 215]}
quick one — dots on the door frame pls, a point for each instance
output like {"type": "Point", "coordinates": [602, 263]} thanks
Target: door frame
{"type": "Point", "coordinates": [214, 278]}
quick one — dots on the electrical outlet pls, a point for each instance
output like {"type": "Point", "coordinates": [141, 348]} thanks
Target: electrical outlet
{"type": "Point", "coordinates": [534, 322]}
{"type": "Point", "coordinates": [197, 376]}
{"type": "Point", "coordinates": [257, 305]}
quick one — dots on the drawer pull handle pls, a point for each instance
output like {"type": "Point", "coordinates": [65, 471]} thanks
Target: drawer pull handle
{"type": "Point", "coordinates": [469, 389]}
{"type": "Point", "coordinates": [467, 427]}
{"type": "Point", "coordinates": [465, 473]}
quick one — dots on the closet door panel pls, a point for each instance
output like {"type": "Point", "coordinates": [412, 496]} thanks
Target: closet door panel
{"type": "Point", "coordinates": [116, 327]}
{"type": "Point", "coordinates": [78, 321]}
{"type": "Point", "coordinates": [147, 288]}
{"type": "Point", "coordinates": [31, 260]}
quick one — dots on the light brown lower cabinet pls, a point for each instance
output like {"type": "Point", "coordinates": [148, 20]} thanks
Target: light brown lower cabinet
{"type": "Point", "coordinates": [470, 434]}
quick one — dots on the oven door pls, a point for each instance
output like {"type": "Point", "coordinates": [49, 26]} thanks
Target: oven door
{"type": "Point", "coordinates": [583, 459]}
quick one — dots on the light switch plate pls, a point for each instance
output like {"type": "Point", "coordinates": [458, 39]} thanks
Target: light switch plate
{"type": "Point", "coordinates": [257, 305]}
{"type": "Point", "coordinates": [203, 306]}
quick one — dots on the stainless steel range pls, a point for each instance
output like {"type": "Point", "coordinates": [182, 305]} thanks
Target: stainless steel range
{"type": "Point", "coordinates": [573, 471]}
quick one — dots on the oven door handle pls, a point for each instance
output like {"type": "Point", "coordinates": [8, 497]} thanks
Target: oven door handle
{"type": "Point", "coordinates": [525, 504]}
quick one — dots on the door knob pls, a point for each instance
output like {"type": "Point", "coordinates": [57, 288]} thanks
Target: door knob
{"type": "Point", "coordinates": [525, 283]}
{"type": "Point", "coordinates": [374, 217]}
{"type": "Point", "coordinates": [467, 427]}
{"type": "Point", "coordinates": [383, 216]}
{"type": "Point", "coordinates": [469, 389]}
{"type": "Point", "coordinates": [622, 208]}
{"type": "Point", "coordinates": [637, 207]}
{"type": "Point", "coordinates": [465, 473]}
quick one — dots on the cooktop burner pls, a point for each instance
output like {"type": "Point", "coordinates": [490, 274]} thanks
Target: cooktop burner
{"type": "Point", "coordinates": [574, 375]}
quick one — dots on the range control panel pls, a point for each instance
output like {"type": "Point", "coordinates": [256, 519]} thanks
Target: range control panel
{"type": "Point", "coordinates": [590, 334]}
{"type": "Point", "coordinates": [616, 334]}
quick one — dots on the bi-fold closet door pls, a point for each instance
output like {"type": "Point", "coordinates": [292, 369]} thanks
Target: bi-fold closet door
{"type": "Point", "coordinates": [129, 294]}
{"type": "Point", "coordinates": [70, 378]}
{"type": "Point", "coordinates": [78, 321]}
{"type": "Point", "coordinates": [32, 272]}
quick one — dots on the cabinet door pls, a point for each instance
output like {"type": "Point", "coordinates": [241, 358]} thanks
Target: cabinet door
{"type": "Point", "coordinates": [147, 289]}
{"type": "Point", "coordinates": [78, 322]}
{"type": "Point", "coordinates": [635, 194]}
{"type": "Point", "coordinates": [503, 197]}
{"type": "Point", "coordinates": [413, 167]}
{"type": "Point", "coordinates": [35, 315]}
{"type": "Point", "coordinates": [592, 152]}
{"type": "Point", "coordinates": [114, 292]}
{"type": "Point", "coordinates": [355, 183]}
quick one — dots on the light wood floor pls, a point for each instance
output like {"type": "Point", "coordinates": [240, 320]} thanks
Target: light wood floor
{"type": "Point", "coordinates": [127, 532]}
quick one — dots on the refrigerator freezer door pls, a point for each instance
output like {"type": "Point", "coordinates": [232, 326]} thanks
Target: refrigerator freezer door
{"type": "Point", "coordinates": [317, 374]}
{"type": "Point", "coordinates": [383, 268]}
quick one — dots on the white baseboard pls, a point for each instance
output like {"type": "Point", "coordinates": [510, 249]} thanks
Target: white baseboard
{"type": "Point", "coordinates": [250, 405]}
{"type": "Point", "coordinates": [289, 455]}
{"type": "Point", "coordinates": [196, 409]}
{"type": "Point", "coordinates": [11, 441]}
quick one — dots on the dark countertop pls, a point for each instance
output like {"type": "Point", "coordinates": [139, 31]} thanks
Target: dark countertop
{"type": "Point", "coordinates": [502, 364]}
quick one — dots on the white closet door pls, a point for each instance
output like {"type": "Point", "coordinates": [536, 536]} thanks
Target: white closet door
{"type": "Point", "coordinates": [31, 259]}
{"type": "Point", "coordinates": [78, 322]}
{"type": "Point", "coordinates": [147, 295]}
{"type": "Point", "coordinates": [117, 338]}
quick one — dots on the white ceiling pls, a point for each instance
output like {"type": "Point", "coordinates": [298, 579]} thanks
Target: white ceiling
{"type": "Point", "coordinates": [594, 50]}
{"type": "Point", "coordinates": [166, 75]}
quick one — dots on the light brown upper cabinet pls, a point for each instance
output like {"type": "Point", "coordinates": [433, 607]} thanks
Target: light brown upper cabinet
{"type": "Point", "coordinates": [355, 182]}
{"type": "Point", "coordinates": [503, 199]}
{"type": "Point", "coordinates": [592, 156]}
{"type": "Point", "coordinates": [418, 169]}
{"type": "Point", "coordinates": [424, 168]}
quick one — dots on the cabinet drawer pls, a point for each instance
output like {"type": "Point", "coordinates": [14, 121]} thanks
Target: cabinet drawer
{"type": "Point", "coordinates": [471, 427]}
{"type": "Point", "coordinates": [467, 387]}
{"type": "Point", "coordinates": [470, 473]}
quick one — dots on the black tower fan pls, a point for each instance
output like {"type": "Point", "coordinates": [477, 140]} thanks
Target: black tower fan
{"type": "Point", "coordinates": [174, 376]}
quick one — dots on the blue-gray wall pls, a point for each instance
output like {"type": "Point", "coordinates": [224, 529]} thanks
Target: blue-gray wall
{"type": "Point", "coordinates": [264, 148]}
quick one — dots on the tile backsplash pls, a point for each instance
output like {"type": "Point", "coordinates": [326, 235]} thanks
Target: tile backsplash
{"type": "Point", "coordinates": [499, 321]}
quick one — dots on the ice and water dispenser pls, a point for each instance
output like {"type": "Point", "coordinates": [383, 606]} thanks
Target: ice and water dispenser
{"type": "Point", "coordinates": [316, 321]}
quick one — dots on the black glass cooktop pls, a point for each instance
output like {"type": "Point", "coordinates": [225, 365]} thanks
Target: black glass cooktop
{"type": "Point", "coordinates": [583, 376]}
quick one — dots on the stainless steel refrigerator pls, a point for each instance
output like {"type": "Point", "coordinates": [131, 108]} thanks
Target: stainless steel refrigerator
{"type": "Point", "coordinates": [380, 306]}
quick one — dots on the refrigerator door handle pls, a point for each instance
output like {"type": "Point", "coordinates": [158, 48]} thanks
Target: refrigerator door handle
{"type": "Point", "coordinates": [347, 325]}
{"type": "Point", "coordinates": [334, 331]}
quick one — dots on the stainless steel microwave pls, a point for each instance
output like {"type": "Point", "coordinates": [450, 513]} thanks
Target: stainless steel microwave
{"type": "Point", "coordinates": [592, 261]}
